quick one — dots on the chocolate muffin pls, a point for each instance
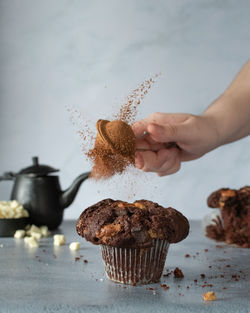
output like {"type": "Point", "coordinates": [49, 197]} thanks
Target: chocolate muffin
{"type": "Point", "coordinates": [134, 237]}
{"type": "Point", "coordinates": [233, 224]}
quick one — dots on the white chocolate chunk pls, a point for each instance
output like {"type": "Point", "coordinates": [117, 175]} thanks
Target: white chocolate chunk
{"type": "Point", "coordinates": [59, 243]}
{"type": "Point", "coordinates": [26, 239]}
{"type": "Point", "coordinates": [35, 235]}
{"type": "Point", "coordinates": [59, 240]}
{"type": "Point", "coordinates": [74, 246]}
{"type": "Point", "coordinates": [59, 237]}
{"type": "Point", "coordinates": [20, 233]}
{"type": "Point", "coordinates": [44, 231]}
{"type": "Point", "coordinates": [13, 204]}
{"type": "Point", "coordinates": [32, 243]}
{"type": "Point", "coordinates": [33, 229]}
{"type": "Point", "coordinates": [12, 209]}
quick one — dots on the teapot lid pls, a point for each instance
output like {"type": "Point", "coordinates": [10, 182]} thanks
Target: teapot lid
{"type": "Point", "coordinates": [37, 169]}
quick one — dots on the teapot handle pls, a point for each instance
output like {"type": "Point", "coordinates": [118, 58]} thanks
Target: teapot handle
{"type": "Point", "coordinates": [8, 176]}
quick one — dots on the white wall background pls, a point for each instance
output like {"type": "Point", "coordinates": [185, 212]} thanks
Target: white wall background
{"type": "Point", "coordinates": [89, 55]}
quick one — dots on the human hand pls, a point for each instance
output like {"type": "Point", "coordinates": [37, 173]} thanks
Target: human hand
{"type": "Point", "coordinates": [193, 137]}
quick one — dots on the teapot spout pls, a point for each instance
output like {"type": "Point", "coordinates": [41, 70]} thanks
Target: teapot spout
{"type": "Point", "coordinates": [68, 195]}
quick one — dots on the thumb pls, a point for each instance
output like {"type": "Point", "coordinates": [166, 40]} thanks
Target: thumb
{"type": "Point", "coordinates": [167, 132]}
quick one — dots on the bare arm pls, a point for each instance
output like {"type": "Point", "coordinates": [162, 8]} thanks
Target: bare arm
{"type": "Point", "coordinates": [227, 119]}
{"type": "Point", "coordinates": [231, 111]}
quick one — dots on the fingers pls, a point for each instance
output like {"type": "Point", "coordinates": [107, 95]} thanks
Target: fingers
{"type": "Point", "coordinates": [163, 162]}
{"type": "Point", "coordinates": [140, 127]}
{"type": "Point", "coordinates": [172, 163]}
{"type": "Point", "coordinates": [175, 167]}
{"type": "Point", "coordinates": [139, 160]}
{"type": "Point", "coordinates": [150, 161]}
{"type": "Point", "coordinates": [146, 143]}
{"type": "Point", "coordinates": [158, 129]}
{"type": "Point", "coordinates": [167, 132]}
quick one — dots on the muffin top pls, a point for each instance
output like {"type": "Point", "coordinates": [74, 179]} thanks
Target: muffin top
{"type": "Point", "coordinates": [133, 225]}
{"type": "Point", "coordinates": [228, 198]}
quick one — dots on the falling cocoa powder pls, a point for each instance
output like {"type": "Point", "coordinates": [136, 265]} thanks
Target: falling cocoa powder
{"type": "Point", "coordinates": [128, 110]}
{"type": "Point", "coordinates": [84, 126]}
{"type": "Point", "coordinates": [114, 148]}
{"type": "Point", "coordinates": [114, 144]}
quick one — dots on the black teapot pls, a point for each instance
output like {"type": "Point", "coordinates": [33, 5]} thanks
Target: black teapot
{"type": "Point", "coordinates": [41, 194]}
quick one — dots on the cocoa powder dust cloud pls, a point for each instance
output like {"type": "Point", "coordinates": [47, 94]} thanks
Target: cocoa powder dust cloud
{"type": "Point", "coordinates": [114, 143]}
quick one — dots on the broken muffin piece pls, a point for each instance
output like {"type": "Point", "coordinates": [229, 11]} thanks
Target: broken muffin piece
{"type": "Point", "coordinates": [233, 226]}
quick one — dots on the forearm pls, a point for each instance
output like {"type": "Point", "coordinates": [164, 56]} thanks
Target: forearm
{"type": "Point", "coordinates": [231, 111]}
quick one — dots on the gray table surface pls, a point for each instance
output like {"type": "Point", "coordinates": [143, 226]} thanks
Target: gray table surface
{"type": "Point", "coordinates": [48, 279]}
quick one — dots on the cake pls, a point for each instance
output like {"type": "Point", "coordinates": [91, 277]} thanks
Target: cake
{"type": "Point", "coordinates": [232, 225]}
{"type": "Point", "coordinates": [134, 237]}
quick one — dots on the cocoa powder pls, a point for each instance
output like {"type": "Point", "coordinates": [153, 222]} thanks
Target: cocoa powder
{"type": "Point", "coordinates": [84, 126]}
{"type": "Point", "coordinates": [114, 144]}
{"type": "Point", "coordinates": [114, 148]}
{"type": "Point", "coordinates": [128, 110]}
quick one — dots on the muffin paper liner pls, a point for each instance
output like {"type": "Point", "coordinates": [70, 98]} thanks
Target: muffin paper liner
{"type": "Point", "coordinates": [135, 265]}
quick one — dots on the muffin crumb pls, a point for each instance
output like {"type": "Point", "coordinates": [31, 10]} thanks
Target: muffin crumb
{"type": "Point", "coordinates": [165, 287]}
{"type": "Point", "coordinates": [209, 296]}
{"type": "Point", "coordinates": [178, 273]}
{"type": "Point", "coordinates": [207, 285]}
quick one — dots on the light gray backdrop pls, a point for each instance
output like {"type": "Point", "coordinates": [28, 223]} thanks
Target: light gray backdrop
{"type": "Point", "coordinates": [88, 55]}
